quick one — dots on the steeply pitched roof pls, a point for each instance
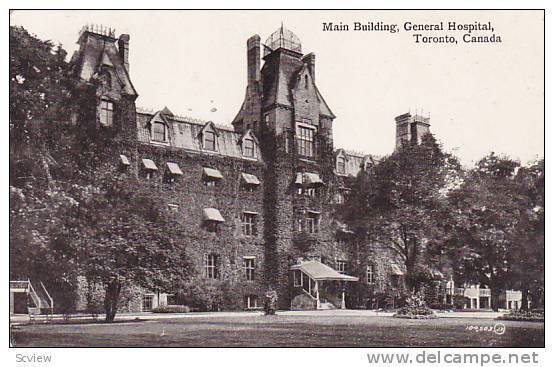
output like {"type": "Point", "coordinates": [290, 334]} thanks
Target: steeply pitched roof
{"type": "Point", "coordinates": [96, 51]}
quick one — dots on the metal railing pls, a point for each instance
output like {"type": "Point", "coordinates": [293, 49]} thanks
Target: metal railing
{"type": "Point", "coordinates": [51, 305]}
{"type": "Point", "coordinates": [34, 296]}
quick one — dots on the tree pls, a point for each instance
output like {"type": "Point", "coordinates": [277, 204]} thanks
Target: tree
{"type": "Point", "coordinates": [401, 202]}
{"type": "Point", "coordinates": [124, 236]}
{"type": "Point", "coordinates": [488, 208]}
{"type": "Point", "coordinates": [527, 254]}
{"type": "Point", "coordinates": [69, 216]}
{"type": "Point", "coordinates": [39, 87]}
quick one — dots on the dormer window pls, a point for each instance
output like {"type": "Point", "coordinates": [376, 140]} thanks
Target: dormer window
{"type": "Point", "coordinates": [209, 141]}
{"type": "Point", "coordinates": [159, 132]}
{"type": "Point", "coordinates": [341, 165]}
{"type": "Point", "coordinates": [106, 112]}
{"type": "Point", "coordinates": [248, 148]}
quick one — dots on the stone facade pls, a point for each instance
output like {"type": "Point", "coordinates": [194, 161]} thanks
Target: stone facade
{"type": "Point", "coordinates": [256, 197]}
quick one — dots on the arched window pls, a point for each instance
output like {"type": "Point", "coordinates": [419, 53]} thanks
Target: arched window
{"type": "Point", "coordinates": [306, 81]}
{"type": "Point", "coordinates": [158, 131]}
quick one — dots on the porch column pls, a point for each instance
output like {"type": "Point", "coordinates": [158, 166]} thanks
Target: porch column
{"type": "Point", "coordinates": [317, 295]}
{"type": "Point", "coordinates": [490, 303]}
{"type": "Point", "coordinates": [343, 303]}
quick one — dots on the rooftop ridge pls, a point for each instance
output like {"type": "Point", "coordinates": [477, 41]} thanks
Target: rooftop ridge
{"type": "Point", "coordinates": [187, 119]}
{"type": "Point", "coordinates": [98, 29]}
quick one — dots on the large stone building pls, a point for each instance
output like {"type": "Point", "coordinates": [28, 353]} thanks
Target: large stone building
{"type": "Point", "coordinates": [258, 198]}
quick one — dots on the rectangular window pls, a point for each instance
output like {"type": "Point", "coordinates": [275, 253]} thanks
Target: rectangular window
{"type": "Point", "coordinates": [249, 227]}
{"type": "Point", "coordinates": [370, 274]}
{"type": "Point", "coordinates": [300, 224]}
{"type": "Point", "coordinates": [305, 141]}
{"type": "Point", "coordinates": [396, 280]}
{"type": "Point", "coordinates": [210, 183]}
{"type": "Point", "coordinates": [310, 191]}
{"type": "Point", "coordinates": [106, 112]}
{"type": "Point", "coordinates": [341, 165]}
{"type": "Point", "coordinates": [158, 132]}
{"type": "Point", "coordinates": [341, 266]}
{"type": "Point", "coordinates": [147, 302]}
{"type": "Point", "coordinates": [209, 141]}
{"type": "Point", "coordinates": [297, 278]}
{"type": "Point", "coordinates": [312, 223]}
{"type": "Point", "coordinates": [251, 301]}
{"type": "Point", "coordinates": [249, 267]}
{"type": "Point", "coordinates": [211, 266]}
{"type": "Point", "coordinates": [211, 226]}
{"type": "Point", "coordinates": [248, 148]}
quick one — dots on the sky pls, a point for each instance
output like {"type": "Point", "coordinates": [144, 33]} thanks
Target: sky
{"type": "Point", "coordinates": [480, 97]}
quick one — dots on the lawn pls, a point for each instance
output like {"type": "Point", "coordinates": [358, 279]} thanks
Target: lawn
{"type": "Point", "coordinates": [283, 331]}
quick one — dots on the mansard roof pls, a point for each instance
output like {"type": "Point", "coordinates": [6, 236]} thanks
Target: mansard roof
{"type": "Point", "coordinates": [355, 161]}
{"type": "Point", "coordinates": [185, 133]}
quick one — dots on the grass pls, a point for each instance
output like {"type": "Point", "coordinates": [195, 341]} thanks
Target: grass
{"type": "Point", "coordinates": [283, 331]}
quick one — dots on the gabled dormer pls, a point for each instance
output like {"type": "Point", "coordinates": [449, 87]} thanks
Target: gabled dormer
{"type": "Point", "coordinates": [249, 145]}
{"type": "Point", "coordinates": [341, 160]}
{"type": "Point", "coordinates": [159, 127]}
{"type": "Point", "coordinates": [208, 137]}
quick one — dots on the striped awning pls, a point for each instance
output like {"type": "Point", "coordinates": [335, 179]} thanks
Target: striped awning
{"type": "Point", "coordinates": [212, 173]}
{"type": "Point", "coordinates": [124, 160]}
{"type": "Point", "coordinates": [174, 168]}
{"type": "Point", "coordinates": [308, 179]}
{"type": "Point", "coordinates": [213, 215]}
{"type": "Point", "coordinates": [250, 179]}
{"type": "Point", "coordinates": [396, 270]}
{"type": "Point", "coordinates": [149, 164]}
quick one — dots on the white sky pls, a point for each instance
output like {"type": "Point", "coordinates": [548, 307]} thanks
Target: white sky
{"type": "Point", "coordinates": [481, 98]}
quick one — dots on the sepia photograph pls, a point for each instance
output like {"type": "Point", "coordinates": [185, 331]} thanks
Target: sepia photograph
{"type": "Point", "coordinates": [277, 179]}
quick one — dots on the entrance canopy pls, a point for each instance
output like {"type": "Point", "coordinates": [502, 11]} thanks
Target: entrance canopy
{"type": "Point", "coordinates": [318, 271]}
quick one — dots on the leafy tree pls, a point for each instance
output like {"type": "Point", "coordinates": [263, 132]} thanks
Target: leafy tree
{"type": "Point", "coordinates": [39, 87]}
{"type": "Point", "coordinates": [488, 208]}
{"type": "Point", "coordinates": [401, 201]}
{"type": "Point", "coordinates": [527, 254]}
{"type": "Point", "coordinates": [69, 216]}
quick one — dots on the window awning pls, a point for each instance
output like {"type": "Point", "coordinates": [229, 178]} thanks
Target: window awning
{"type": "Point", "coordinates": [319, 271]}
{"type": "Point", "coordinates": [396, 270]}
{"type": "Point", "coordinates": [124, 160]}
{"type": "Point", "coordinates": [436, 274]}
{"type": "Point", "coordinates": [308, 179]}
{"type": "Point", "coordinates": [149, 164]}
{"type": "Point", "coordinates": [212, 173]}
{"type": "Point", "coordinates": [174, 168]}
{"type": "Point", "coordinates": [213, 215]}
{"type": "Point", "coordinates": [250, 179]}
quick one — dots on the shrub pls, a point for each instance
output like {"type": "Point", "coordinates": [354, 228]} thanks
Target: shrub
{"type": "Point", "coordinates": [172, 309]}
{"type": "Point", "coordinates": [522, 315]}
{"type": "Point", "coordinates": [415, 309]}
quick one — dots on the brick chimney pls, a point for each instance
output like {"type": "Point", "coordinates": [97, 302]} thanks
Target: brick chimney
{"type": "Point", "coordinates": [123, 47]}
{"type": "Point", "coordinates": [253, 59]}
{"type": "Point", "coordinates": [310, 60]}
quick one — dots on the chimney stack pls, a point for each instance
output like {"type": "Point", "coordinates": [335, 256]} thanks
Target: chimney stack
{"type": "Point", "coordinates": [253, 59]}
{"type": "Point", "coordinates": [123, 47]}
{"type": "Point", "coordinates": [310, 60]}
